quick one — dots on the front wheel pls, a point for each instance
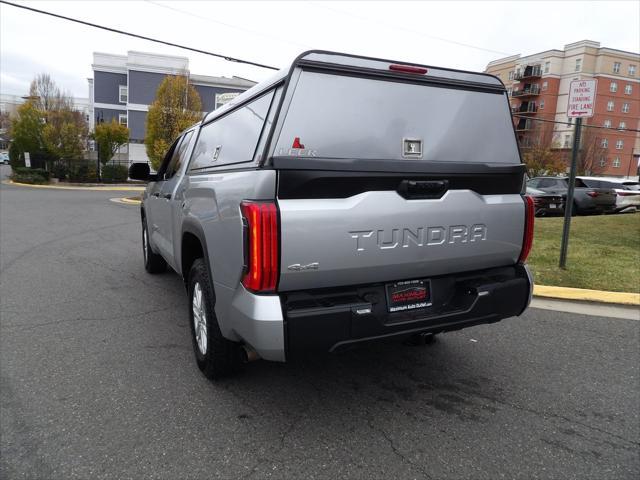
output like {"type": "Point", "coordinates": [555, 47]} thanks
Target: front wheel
{"type": "Point", "coordinates": [153, 263]}
{"type": "Point", "coordinates": [215, 355]}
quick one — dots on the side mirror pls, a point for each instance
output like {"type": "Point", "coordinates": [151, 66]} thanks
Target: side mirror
{"type": "Point", "coordinates": [141, 171]}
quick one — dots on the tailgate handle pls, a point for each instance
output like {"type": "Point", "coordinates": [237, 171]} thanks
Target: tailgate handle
{"type": "Point", "coordinates": [414, 189]}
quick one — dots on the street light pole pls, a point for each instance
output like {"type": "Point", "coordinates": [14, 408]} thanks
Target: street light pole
{"type": "Point", "coordinates": [568, 206]}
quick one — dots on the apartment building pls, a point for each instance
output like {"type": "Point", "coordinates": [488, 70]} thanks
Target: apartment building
{"type": "Point", "coordinates": [123, 87]}
{"type": "Point", "coordinates": [538, 87]}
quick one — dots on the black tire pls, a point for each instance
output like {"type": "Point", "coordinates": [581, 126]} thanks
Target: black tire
{"type": "Point", "coordinates": [574, 209]}
{"type": "Point", "coordinates": [153, 263]}
{"type": "Point", "coordinates": [221, 357]}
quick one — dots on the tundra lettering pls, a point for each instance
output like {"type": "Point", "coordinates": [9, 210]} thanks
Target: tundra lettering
{"type": "Point", "coordinates": [420, 237]}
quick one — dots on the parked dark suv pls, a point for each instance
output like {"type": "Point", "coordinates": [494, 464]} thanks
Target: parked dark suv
{"type": "Point", "coordinates": [585, 199]}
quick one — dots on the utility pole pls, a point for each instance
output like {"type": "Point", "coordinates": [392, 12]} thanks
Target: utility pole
{"type": "Point", "coordinates": [568, 206]}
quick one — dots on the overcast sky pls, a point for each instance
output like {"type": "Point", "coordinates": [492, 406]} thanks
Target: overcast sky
{"type": "Point", "coordinates": [464, 35]}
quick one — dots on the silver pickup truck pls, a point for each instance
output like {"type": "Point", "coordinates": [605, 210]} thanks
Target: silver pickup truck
{"type": "Point", "coordinates": [344, 200]}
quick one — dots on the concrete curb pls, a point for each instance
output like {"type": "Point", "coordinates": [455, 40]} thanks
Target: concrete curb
{"type": "Point", "coordinates": [582, 294]}
{"type": "Point", "coordinates": [99, 188]}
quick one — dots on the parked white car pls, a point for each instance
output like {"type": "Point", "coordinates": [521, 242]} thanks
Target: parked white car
{"type": "Point", "coordinates": [4, 158]}
{"type": "Point", "coordinates": [627, 191]}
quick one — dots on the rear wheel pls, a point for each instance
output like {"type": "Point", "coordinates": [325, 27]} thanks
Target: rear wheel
{"type": "Point", "coordinates": [153, 263]}
{"type": "Point", "coordinates": [574, 209]}
{"type": "Point", "coordinates": [215, 355]}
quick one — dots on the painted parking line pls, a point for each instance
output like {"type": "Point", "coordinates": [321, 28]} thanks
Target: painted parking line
{"type": "Point", "coordinates": [126, 200]}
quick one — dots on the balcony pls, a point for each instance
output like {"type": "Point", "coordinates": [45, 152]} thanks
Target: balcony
{"type": "Point", "coordinates": [527, 107]}
{"type": "Point", "coordinates": [524, 125]}
{"type": "Point", "coordinates": [530, 71]}
{"type": "Point", "coordinates": [527, 91]}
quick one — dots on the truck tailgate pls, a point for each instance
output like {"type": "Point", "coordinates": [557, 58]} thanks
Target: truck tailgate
{"type": "Point", "coordinates": [379, 236]}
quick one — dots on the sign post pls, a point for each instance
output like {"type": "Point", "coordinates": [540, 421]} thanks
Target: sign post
{"type": "Point", "coordinates": [582, 96]}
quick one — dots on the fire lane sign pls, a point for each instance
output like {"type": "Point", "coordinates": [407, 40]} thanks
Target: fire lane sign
{"type": "Point", "coordinates": [582, 99]}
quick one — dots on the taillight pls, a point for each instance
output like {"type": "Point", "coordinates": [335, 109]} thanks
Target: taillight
{"type": "Point", "coordinates": [527, 241]}
{"type": "Point", "coordinates": [593, 194]}
{"type": "Point", "coordinates": [408, 69]}
{"type": "Point", "coordinates": [261, 245]}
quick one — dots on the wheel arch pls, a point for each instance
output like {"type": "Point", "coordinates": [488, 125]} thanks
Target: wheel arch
{"type": "Point", "coordinates": [192, 247]}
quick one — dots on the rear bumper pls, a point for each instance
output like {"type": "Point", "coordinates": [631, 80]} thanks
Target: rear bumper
{"type": "Point", "coordinates": [331, 319]}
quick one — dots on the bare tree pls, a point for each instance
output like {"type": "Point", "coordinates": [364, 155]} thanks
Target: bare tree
{"type": "Point", "coordinates": [591, 152]}
{"type": "Point", "coordinates": [46, 94]}
{"type": "Point", "coordinates": [538, 151]}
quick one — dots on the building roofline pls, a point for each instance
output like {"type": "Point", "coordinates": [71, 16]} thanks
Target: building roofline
{"type": "Point", "coordinates": [512, 58]}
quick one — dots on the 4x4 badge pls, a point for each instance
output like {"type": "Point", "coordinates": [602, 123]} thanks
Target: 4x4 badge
{"type": "Point", "coordinates": [296, 267]}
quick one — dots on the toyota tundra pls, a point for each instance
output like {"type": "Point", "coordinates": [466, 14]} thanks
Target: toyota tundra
{"type": "Point", "coordinates": [344, 200]}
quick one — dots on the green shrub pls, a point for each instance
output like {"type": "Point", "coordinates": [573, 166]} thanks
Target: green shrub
{"type": "Point", "coordinates": [24, 171]}
{"type": "Point", "coordinates": [81, 172]}
{"type": "Point", "coordinates": [30, 175]}
{"type": "Point", "coordinates": [59, 170]}
{"type": "Point", "coordinates": [115, 173]}
{"type": "Point", "coordinates": [15, 156]}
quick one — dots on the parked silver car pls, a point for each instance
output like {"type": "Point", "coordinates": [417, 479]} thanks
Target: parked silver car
{"type": "Point", "coordinates": [344, 200]}
{"type": "Point", "coordinates": [627, 191]}
{"type": "Point", "coordinates": [586, 199]}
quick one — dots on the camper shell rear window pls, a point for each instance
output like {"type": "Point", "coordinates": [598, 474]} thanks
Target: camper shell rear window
{"type": "Point", "coordinates": [334, 116]}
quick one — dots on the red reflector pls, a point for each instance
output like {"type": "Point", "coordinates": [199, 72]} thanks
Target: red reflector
{"type": "Point", "coordinates": [262, 240]}
{"type": "Point", "coordinates": [527, 241]}
{"type": "Point", "coordinates": [593, 194]}
{"type": "Point", "coordinates": [408, 69]}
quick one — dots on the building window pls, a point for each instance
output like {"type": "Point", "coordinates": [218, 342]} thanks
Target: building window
{"type": "Point", "coordinates": [570, 120]}
{"type": "Point", "coordinates": [603, 161]}
{"type": "Point", "coordinates": [578, 64]}
{"type": "Point", "coordinates": [541, 104]}
{"type": "Point", "coordinates": [567, 141]}
{"type": "Point", "coordinates": [547, 66]}
{"type": "Point", "coordinates": [613, 87]}
{"type": "Point", "coordinates": [607, 124]}
{"type": "Point", "coordinates": [123, 93]}
{"type": "Point", "coordinates": [610, 106]}
{"type": "Point", "coordinates": [619, 145]}
{"type": "Point", "coordinates": [625, 108]}
{"type": "Point", "coordinates": [545, 85]}
{"type": "Point", "coordinates": [616, 162]}
{"type": "Point", "coordinates": [511, 75]}
{"type": "Point", "coordinates": [604, 143]}
{"type": "Point", "coordinates": [616, 67]}
{"type": "Point", "coordinates": [632, 70]}
{"type": "Point", "coordinates": [122, 119]}
{"type": "Point", "coordinates": [622, 126]}
{"type": "Point", "coordinates": [222, 98]}
{"type": "Point", "coordinates": [628, 89]}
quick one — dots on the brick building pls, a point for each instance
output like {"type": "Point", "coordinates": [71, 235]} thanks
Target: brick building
{"type": "Point", "coordinates": [538, 86]}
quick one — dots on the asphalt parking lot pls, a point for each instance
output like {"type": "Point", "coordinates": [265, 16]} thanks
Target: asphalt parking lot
{"type": "Point", "coordinates": [98, 379]}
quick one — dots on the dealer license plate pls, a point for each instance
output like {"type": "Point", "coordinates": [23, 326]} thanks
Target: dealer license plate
{"type": "Point", "coordinates": [408, 295]}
